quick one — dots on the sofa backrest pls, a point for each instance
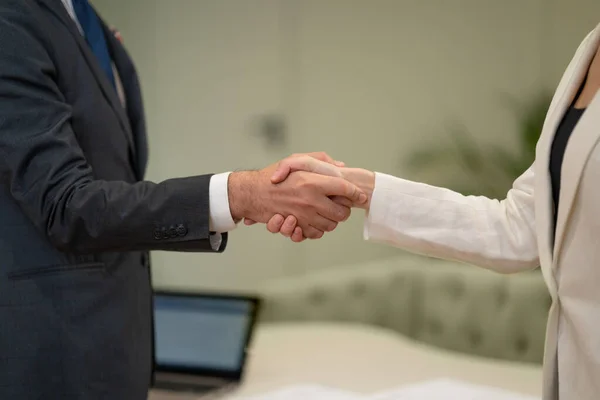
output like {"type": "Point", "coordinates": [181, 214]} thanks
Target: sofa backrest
{"type": "Point", "coordinates": [445, 304]}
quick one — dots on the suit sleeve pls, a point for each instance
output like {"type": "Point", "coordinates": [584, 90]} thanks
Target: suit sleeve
{"type": "Point", "coordinates": [47, 174]}
{"type": "Point", "coordinates": [498, 235]}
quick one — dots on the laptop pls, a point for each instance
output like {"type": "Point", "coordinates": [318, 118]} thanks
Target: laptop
{"type": "Point", "coordinates": [201, 340]}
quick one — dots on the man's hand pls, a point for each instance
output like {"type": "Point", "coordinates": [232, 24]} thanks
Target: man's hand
{"type": "Point", "coordinates": [305, 195]}
{"type": "Point", "coordinates": [302, 163]}
{"type": "Point", "coordinates": [288, 227]}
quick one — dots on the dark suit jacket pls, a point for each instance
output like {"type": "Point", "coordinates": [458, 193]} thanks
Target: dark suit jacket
{"type": "Point", "coordinates": [76, 217]}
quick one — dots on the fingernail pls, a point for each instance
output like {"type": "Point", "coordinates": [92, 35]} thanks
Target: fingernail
{"type": "Point", "coordinates": [362, 198]}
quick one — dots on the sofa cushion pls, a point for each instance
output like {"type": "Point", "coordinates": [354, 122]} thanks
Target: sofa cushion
{"type": "Point", "coordinates": [480, 312]}
{"type": "Point", "coordinates": [445, 304]}
{"type": "Point", "coordinates": [374, 294]}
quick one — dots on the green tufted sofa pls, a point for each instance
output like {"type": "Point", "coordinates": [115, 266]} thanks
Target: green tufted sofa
{"type": "Point", "coordinates": [450, 305]}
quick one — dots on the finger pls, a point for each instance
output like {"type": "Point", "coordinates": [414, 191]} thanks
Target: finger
{"type": "Point", "coordinates": [322, 224]}
{"type": "Point", "coordinates": [340, 187]}
{"type": "Point", "coordinates": [332, 211]}
{"type": "Point", "coordinates": [289, 226]}
{"type": "Point", "coordinates": [310, 232]}
{"type": "Point", "coordinates": [249, 222]}
{"type": "Point", "coordinates": [303, 163]}
{"type": "Point", "coordinates": [275, 223]}
{"type": "Point", "coordinates": [342, 201]}
{"type": "Point", "coordinates": [298, 235]}
{"type": "Point", "coordinates": [321, 155]}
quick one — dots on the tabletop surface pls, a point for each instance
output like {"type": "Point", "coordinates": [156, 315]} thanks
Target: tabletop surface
{"type": "Point", "coordinates": [363, 359]}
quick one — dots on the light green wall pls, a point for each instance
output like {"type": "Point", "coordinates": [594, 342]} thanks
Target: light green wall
{"type": "Point", "coordinates": [367, 81]}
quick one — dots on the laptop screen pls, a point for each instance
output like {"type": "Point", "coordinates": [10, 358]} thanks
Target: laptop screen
{"type": "Point", "coordinates": [202, 333]}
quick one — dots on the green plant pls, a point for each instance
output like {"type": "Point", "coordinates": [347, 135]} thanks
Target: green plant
{"type": "Point", "coordinates": [464, 165]}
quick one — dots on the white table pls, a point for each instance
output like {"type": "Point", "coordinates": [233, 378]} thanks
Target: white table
{"type": "Point", "coordinates": [363, 359]}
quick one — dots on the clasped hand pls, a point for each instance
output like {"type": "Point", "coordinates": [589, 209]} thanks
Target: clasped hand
{"type": "Point", "coordinates": [324, 191]}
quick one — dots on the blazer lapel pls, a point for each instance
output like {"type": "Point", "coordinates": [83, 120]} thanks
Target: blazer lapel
{"type": "Point", "coordinates": [577, 153]}
{"type": "Point", "coordinates": [579, 147]}
{"type": "Point", "coordinates": [565, 92]}
{"type": "Point", "coordinates": [57, 8]}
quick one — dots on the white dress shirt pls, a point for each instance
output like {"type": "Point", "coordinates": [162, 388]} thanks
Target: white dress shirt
{"type": "Point", "coordinates": [220, 219]}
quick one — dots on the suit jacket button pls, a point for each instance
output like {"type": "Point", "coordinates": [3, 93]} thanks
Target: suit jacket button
{"type": "Point", "coordinates": [171, 233]}
{"type": "Point", "coordinates": [181, 230]}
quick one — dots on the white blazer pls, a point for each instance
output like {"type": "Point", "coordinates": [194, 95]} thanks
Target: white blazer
{"type": "Point", "coordinates": [516, 234]}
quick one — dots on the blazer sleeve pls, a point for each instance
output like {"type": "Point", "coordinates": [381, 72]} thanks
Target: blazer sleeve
{"type": "Point", "coordinates": [47, 174]}
{"type": "Point", "coordinates": [437, 222]}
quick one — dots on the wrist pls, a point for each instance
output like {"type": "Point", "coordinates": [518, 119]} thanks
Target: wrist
{"type": "Point", "coordinates": [364, 180]}
{"type": "Point", "coordinates": [240, 186]}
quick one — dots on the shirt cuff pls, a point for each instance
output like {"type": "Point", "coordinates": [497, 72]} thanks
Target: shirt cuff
{"type": "Point", "coordinates": [220, 219]}
{"type": "Point", "coordinates": [377, 214]}
{"type": "Point", "coordinates": [215, 241]}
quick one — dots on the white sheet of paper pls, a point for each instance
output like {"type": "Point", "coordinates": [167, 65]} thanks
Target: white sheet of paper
{"type": "Point", "coordinates": [305, 392]}
{"type": "Point", "coordinates": [448, 389]}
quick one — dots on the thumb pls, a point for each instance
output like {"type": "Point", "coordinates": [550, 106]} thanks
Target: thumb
{"type": "Point", "coordinates": [341, 187]}
{"type": "Point", "coordinates": [303, 163]}
{"type": "Point", "coordinates": [342, 201]}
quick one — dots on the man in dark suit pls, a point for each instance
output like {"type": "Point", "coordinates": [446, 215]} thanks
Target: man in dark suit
{"type": "Point", "coordinates": [77, 219]}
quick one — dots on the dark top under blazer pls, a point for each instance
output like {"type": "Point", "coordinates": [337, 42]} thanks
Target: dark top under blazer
{"type": "Point", "coordinates": [76, 217]}
{"type": "Point", "coordinates": [559, 146]}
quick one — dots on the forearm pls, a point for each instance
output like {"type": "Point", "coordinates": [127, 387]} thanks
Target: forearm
{"type": "Point", "coordinates": [116, 216]}
{"type": "Point", "coordinates": [441, 223]}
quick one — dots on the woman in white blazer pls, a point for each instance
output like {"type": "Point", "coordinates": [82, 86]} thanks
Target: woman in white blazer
{"type": "Point", "coordinates": [520, 232]}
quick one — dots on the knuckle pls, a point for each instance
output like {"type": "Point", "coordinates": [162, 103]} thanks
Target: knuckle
{"type": "Point", "coordinates": [340, 213]}
{"type": "Point", "coordinates": [307, 185]}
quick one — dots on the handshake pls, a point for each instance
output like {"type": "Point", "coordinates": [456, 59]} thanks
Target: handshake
{"type": "Point", "coordinates": [301, 197]}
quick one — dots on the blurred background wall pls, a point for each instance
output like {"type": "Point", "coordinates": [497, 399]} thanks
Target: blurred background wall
{"type": "Point", "coordinates": [234, 84]}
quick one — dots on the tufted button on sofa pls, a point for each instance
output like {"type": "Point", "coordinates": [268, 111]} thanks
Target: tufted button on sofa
{"type": "Point", "coordinates": [445, 304]}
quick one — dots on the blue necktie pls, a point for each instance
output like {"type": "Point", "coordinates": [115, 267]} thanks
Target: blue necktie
{"type": "Point", "coordinates": [94, 34]}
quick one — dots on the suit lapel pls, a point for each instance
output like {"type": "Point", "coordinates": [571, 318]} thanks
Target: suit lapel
{"type": "Point", "coordinates": [57, 8]}
{"type": "Point", "coordinates": [134, 108]}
